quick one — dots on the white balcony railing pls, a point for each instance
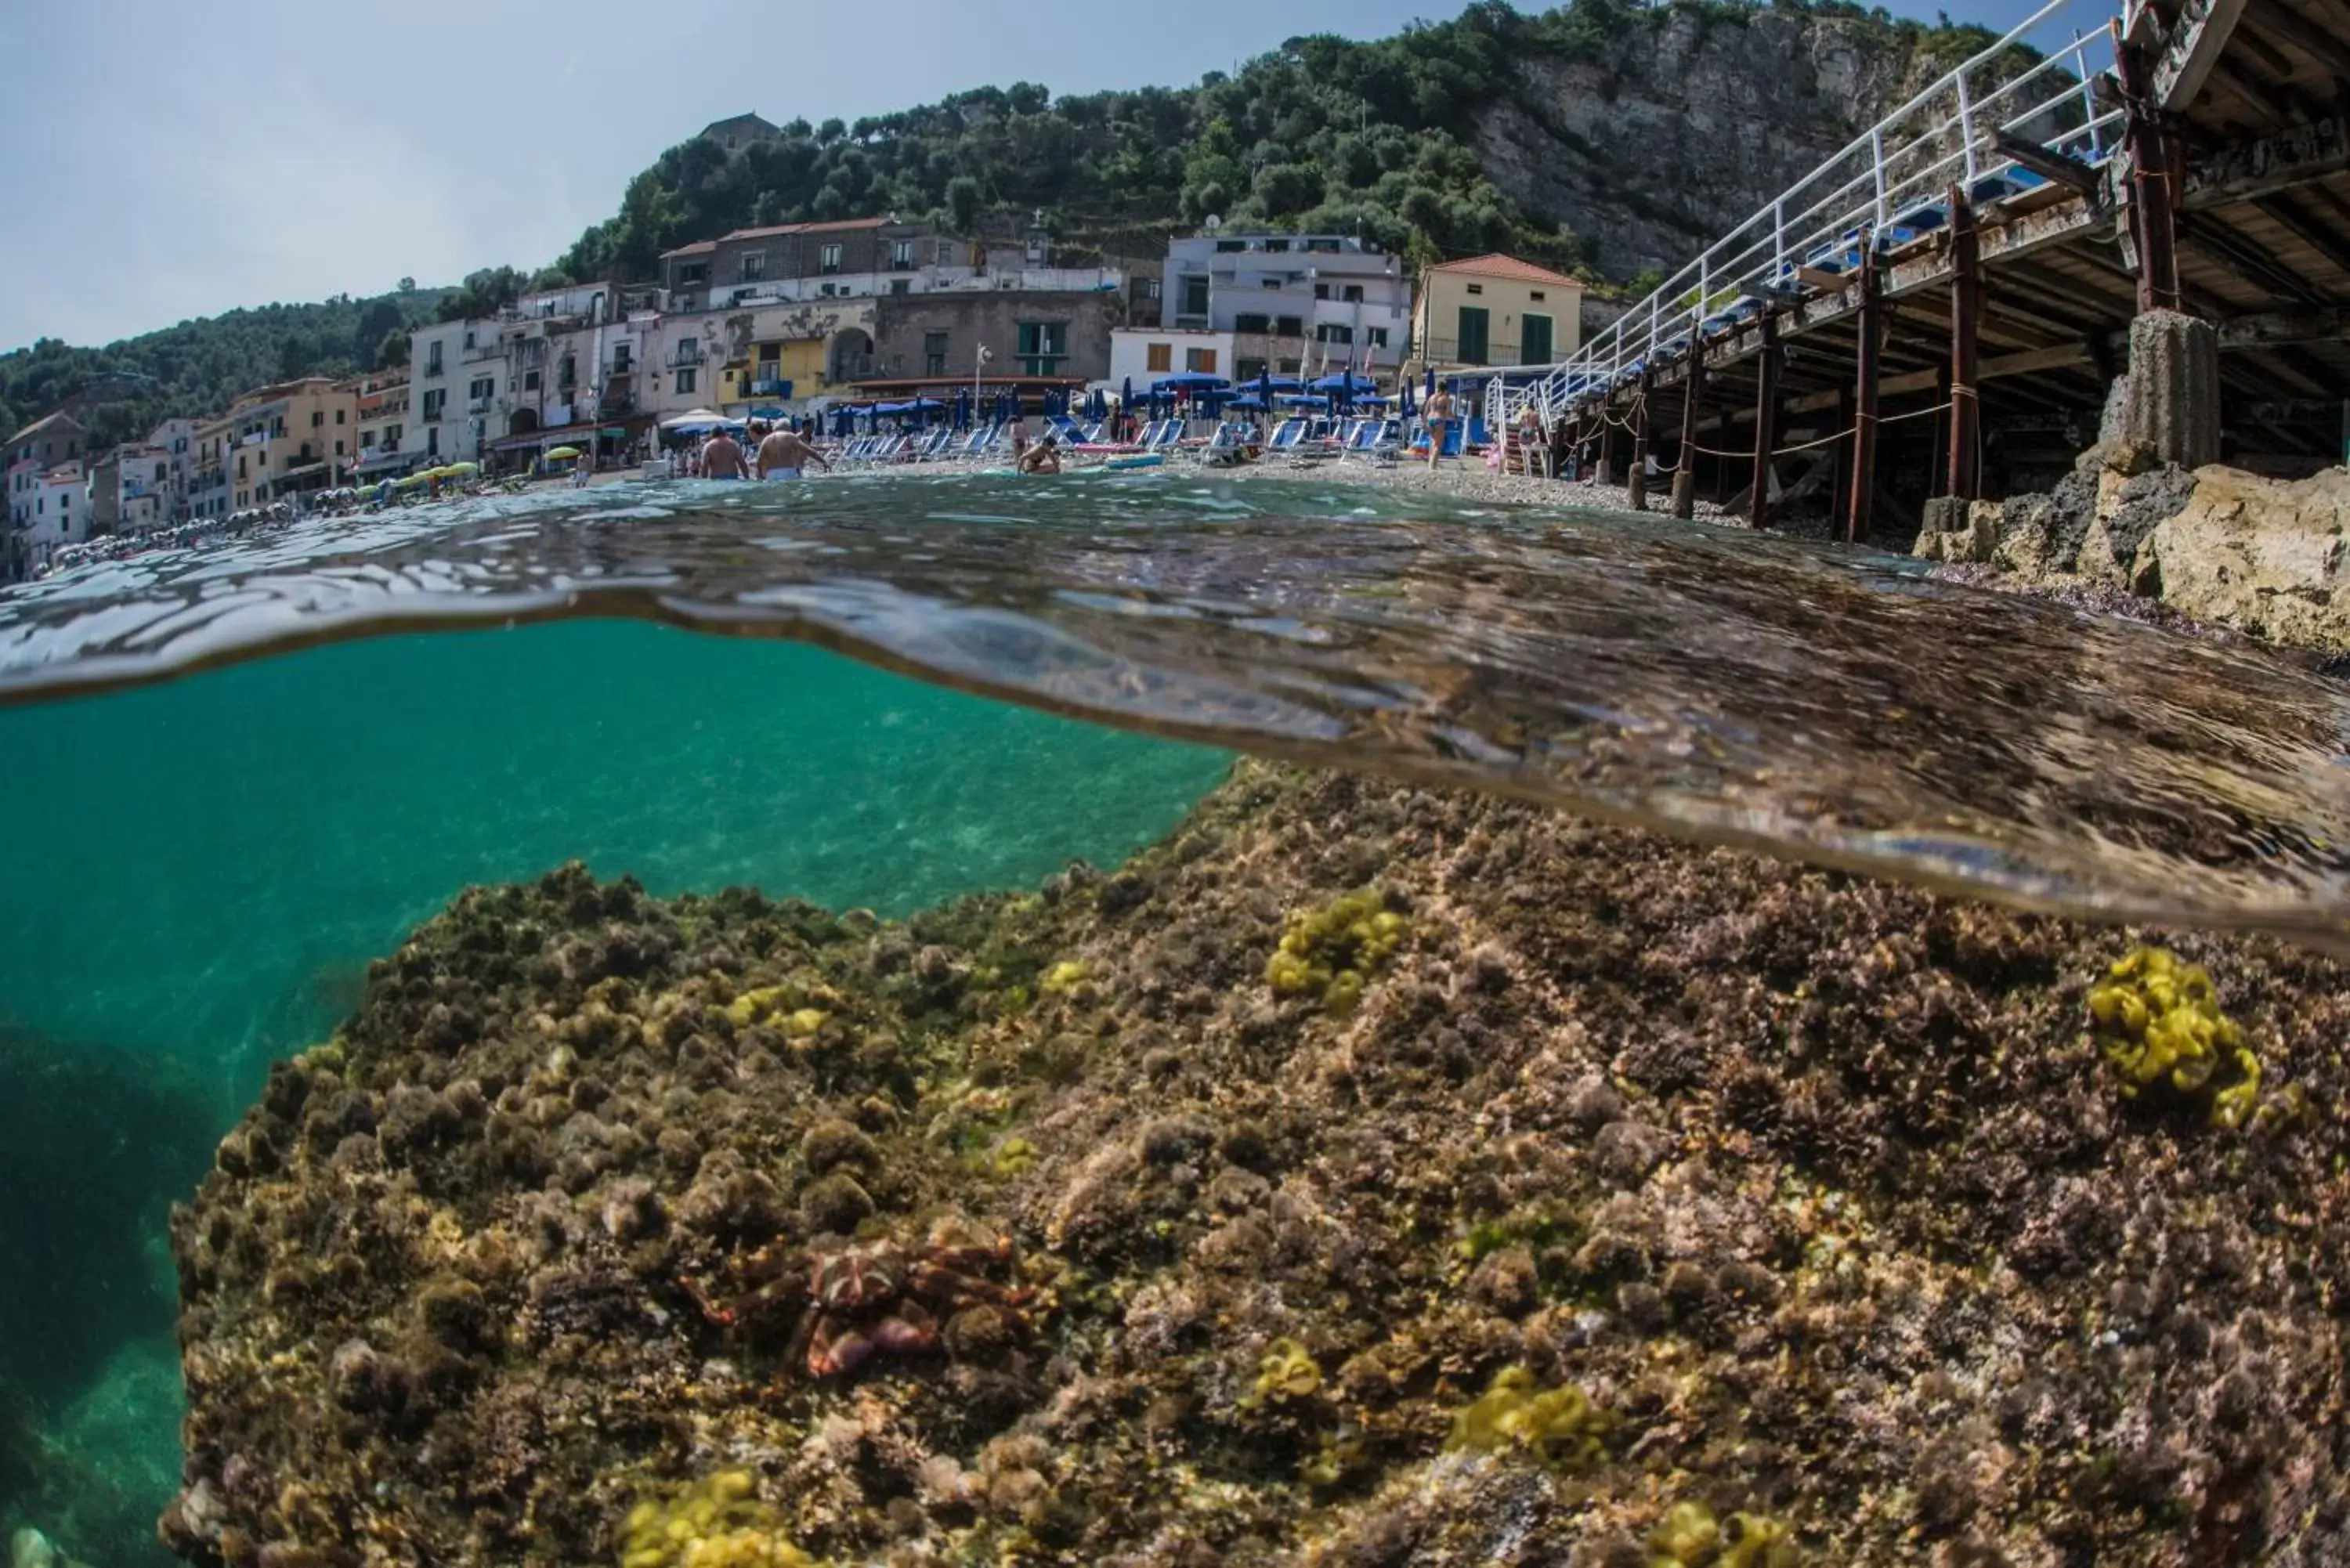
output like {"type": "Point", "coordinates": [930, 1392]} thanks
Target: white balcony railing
{"type": "Point", "coordinates": [1889, 186]}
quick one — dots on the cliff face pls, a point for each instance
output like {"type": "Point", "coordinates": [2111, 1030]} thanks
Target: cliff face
{"type": "Point", "coordinates": [1684, 126]}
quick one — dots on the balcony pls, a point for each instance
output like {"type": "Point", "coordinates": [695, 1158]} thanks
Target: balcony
{"type": "Point", "coordinates": [613, 405]}
{"type": "Point", "coordinates": [479, 405]}
{"type": "Point", "coordinates": [432, 366]}
{"type": "Point", "coordinates": [771, 387]}
{"type": "Point", "coordinates": [1451, 351]}
{"type": "Point", "coordinates": [685, 358]}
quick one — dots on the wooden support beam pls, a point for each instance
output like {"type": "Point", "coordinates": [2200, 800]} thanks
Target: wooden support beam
{"type": "Point", "coordinates": [1636, 483]}
{"type": "Point", "coordinates": [1840, 472]}
{"type": "Point", "coordinates": [2305, 227]}
{"type": "Point", "coordinates": [1819, 277]}
{"type": "Point", "coordinates": [2247, 261]}
{"type": "Point", "coordinates": [2267, 330]}
{"type": "Point", "coordinates": [1963, 478]}
{"type": "Point", "coordinates": [2248, 39]}
{"type": "Point", "coordinates": [2327, 47]}
{"type": "Point", "coordinates": [2195, 46]}
{"type": "Point", "coordinates": [2049, 163]}
{"type": "Point", "coordinates": [1685, 477]}
{"type": "Point", "coordinates": [1766, 421]}
{"type": "Point", "coordinates": [1606, 448]}
{"type": "Point", "coordinates": [1863, 494]}
{"type": "Point", "coordinates": [2241, 170]}
{"type": "Point", "coordinates": [2153, 229]}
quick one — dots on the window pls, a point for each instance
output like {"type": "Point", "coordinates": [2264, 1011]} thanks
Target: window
{"type": "Point", "coordinates": [432, 358]}
{"type": "Point", "coordinates": [1377, 335]}
{"type": "Point", "coordinates": [339, 447]}
{"type": "Point", "coordinates": [1195, 295]}
{"type": "Point", "coordinates": [934, 353]}
{"type": "Point", "coordinates": [690, 274]}
{"type": "Point", "coordinates": [469, 337]}
{"type": "Point", "coordinates": [483, 387]}
{"type": "Point", "coordinates": [1352, 294]}
{"type": "Point", "coordinates": [828, 259]}
{"type": "Point", "coordinates": [1476, 288]}
{"type": "Point", "coordinates": [317, 418]}
{"type": "Point", "coordinates": [685, 381]}
{"type": "Point", "coordinates": [754, 265]}
{"type": "Point", "coordinates": [1226, 247]}
{"type": "Point", "coordinates": [1289, 366]}
{"type": "Point", "coordinates": [1321, 291]}
{"type": "Point", "coordinates": [1251, 323]}
{"type": "Point", "coordinates": [1199, 360]}
{"type": "Point", "coordinates": [1270, 285]}
{"type": "Point", "coordinates": [432, 402]}
{"type": "Point", "coordinates": [1151, 289]}
{"type": "Point", "coordinates": [530, 380]}
{"type": "Point", "coordinates": [1334, 332]}
{"type": "Point", "coordinates": [567, 372]}
{"type": "Point", "coordinates": [1159, 356]}
{"type": "Point", "coordinates": [1289, 327]}
{"type": "Point", "coordinates": [946, 252]}
{"type": "Point", "coordinates": [901, 254]}
{"type": "Point", "coordinates": [1247, 370]}
{"type": "Point", "coordinates": [1535, 295]}
{"type": "Point", "coordinates": [901, 286]}
{"type": "Point", "coordinates": [1043, 344]}
{"type": "Point", "coordinates": [621, 360]}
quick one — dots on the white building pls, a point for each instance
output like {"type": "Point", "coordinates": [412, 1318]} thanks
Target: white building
{"type": "Point", "coordinates": [60, 516]}
{"type": "Point", "coordinates": [455, 370]}
{"type": "Point", "coordinates": [177, 438]}
{"type": "Point", "coordinates": [1146, 354]}
{"type": "Point", "coordinates": [1296, 304]}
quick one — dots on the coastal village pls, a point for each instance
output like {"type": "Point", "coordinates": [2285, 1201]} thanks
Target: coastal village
{"type": "Point", "coordinates": [790, 321]}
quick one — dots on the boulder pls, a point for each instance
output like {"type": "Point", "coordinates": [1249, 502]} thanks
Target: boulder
{"type": "Point", "coordinates": [1956, 530]}
{"type": "Point", "coordinates": [2263, 555]}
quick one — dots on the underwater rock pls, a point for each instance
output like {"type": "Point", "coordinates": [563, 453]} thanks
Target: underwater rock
{"type": "Point", "coordinates": [1635, 1203]}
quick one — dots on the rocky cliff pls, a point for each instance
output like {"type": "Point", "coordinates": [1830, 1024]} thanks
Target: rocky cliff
{"type": "Point", "coordinates": [1683, 124]}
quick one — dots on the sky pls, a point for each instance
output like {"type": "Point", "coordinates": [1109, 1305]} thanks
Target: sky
{"type": "Point", "coordinates": [171, 159]}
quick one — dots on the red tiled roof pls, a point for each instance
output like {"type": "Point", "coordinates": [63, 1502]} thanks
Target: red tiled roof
{"type": "Point", "coordinates": [1499, 266]}
{"type": "Point", "coordinates": [773, 230]}
{"type": "Point", "coordinates": [697, 248]}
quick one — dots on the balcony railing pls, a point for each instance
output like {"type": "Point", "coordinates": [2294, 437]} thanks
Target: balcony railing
{"type": "Point", "coordinates": [685, 357]}
{"type": "Point", "coordinates": [612, 405]}
{"type": "Point", "coordinates": [478, 405]}
{"type": "Point", "coordinates": [771, 387]}
{"type": "Point", "coordinates": [1449, 351]}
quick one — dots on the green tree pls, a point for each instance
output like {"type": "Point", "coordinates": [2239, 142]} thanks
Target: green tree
{"type": "Point", "coordinates": [392, 349]}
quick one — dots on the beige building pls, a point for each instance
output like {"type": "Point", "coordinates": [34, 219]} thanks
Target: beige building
{"type": "Point", "coordinates": [1495, 310]}
{"type": "Point", "coordinates": [382, 415]}
{"type": "Point", "coordinates": [291, 437]}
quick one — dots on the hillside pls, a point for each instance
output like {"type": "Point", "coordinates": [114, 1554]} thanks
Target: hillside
{"type": "Point", "coordinates": [195, 368]}
{"type": "Point", "coordinates": [1604, 134]}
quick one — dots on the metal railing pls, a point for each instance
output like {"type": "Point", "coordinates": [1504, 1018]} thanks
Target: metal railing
{"type": "Point", "coordinates": [1889, 186]}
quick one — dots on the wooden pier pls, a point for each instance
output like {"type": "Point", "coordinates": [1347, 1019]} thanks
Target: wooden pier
{"type": "Point", "coordinates": [1963, 343]}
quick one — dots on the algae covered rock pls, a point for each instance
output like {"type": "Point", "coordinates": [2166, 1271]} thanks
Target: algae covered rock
{"type": "Point", "coordinates": [1655, 1205]}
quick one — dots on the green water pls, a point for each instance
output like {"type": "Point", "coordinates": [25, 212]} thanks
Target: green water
{"type": "Point", "coordinates": [196, 874]}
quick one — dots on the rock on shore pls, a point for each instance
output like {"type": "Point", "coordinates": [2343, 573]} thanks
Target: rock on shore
{"type": "Point", "coordinates": [1364, 1176]}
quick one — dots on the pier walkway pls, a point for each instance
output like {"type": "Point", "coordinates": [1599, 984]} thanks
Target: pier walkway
{"type": "Point", "coordinates": [1941, 310]}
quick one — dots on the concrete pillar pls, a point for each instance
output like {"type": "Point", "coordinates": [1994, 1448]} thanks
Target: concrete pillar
{"type": "Point", "coordinates": [2171, 404]}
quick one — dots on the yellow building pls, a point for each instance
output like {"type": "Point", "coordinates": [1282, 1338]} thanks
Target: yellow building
{"type": "Point", "coordinates": [291, 437]}
{"type": "Point", "coordinates": [1495, 310]}
{"type": "Point", "coordinates": [757, 378]}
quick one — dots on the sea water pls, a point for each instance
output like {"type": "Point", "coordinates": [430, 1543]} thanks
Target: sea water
{"type": "Point", "coordinates": [200, 871]}
{"type": "Point", "coordinates": [234, 775]}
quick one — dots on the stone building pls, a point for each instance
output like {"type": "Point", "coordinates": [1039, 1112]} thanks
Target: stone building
{"type": "Point", "coordinates": [1060, 335]}
{"type": "Point", "coordinates": [852, 257]}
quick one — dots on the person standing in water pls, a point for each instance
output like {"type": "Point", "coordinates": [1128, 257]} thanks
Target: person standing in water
{"type": "Point", "coordinates": [721, 457]}
{"type": "Point", "coordinates": [1440, 419]}
{"type": "Point", "coordinates": [782, 453]}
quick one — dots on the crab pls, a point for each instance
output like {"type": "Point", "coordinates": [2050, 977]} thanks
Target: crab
{"type": "Point", "coordinates": [847, 1299]}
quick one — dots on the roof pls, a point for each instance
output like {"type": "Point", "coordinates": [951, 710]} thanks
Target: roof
{"type": "Point", "coordinates": [59, 418]}
{"type": "Point", "coordinates": [836, 226]}
{"type": "Point", "coordinates": [1499, 266]}
{"type": "Point", "coordinates": [698, 247]}
{"type": "Point", "coordinates": [62, 476]}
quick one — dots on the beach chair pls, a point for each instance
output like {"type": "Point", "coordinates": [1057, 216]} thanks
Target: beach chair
{"type": "Point", "coordinates": [932, 444]}
{"type": "Point", "coordinates": [1284, 438]}
{"type": "Point", "coordinates": [985, 439]}
{"type": "Point", "coordinates": [1360, 443]}
{"type": "Point", "coordinates": [1226, 445]}
{"type": "Point", "coordinates": [1160, 434]}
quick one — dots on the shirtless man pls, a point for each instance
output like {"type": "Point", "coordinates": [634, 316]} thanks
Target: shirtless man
{"type": "Point", "coordinates": [1438, 414]}
{"type": "Point", "coordinates": [721, 457]}
{"type": "Point", "coordinates": [1044, 457]}
{"type": "Point", "coordinates": [783, 454]}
